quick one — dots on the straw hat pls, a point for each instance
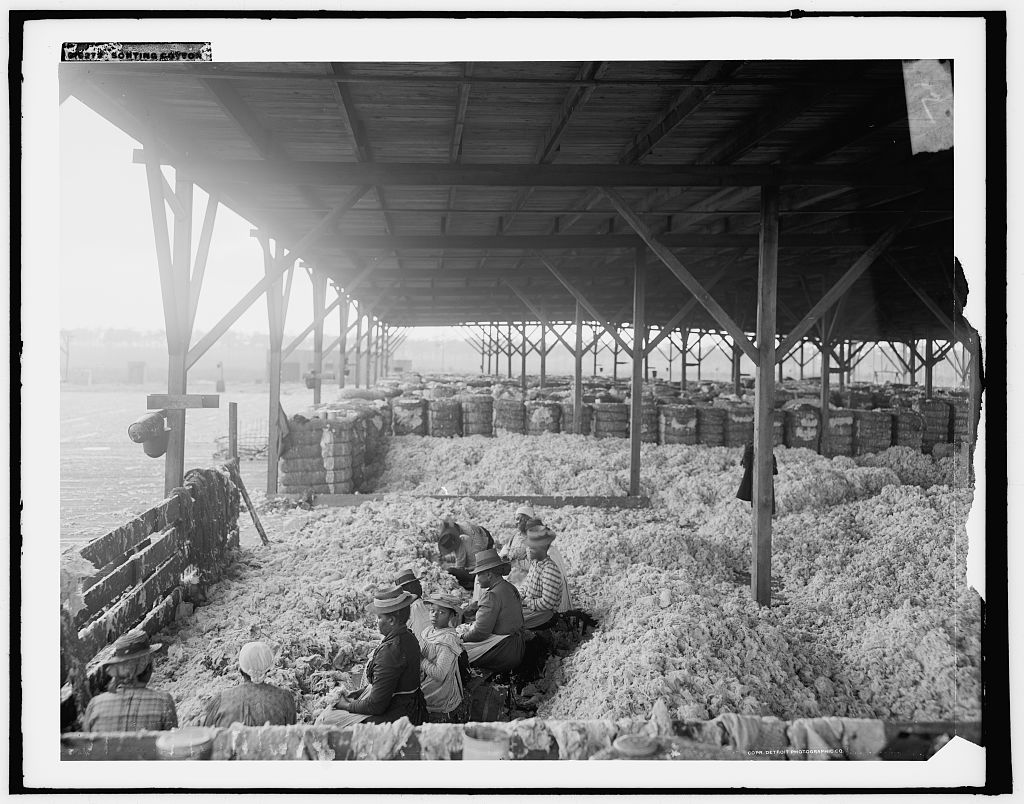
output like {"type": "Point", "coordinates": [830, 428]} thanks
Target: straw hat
{"type": "Point", "coordinates": [133, 645]}
{"type": "Point", "coordinates": [405, 576]}
{"type": "Point", "coordinates": [486, 560]}
{"type": "Point", "coordinates": [445, 601]}
{"type": "Point", "coordinates": [388, 601]}
{"type": "Point", "coordinates": [539, 536]}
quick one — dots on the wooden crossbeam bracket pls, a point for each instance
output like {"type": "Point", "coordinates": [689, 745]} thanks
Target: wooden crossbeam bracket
{"type": "Point", "coordinates": [689, 281]}
{"type": "Point", "coordinates": [958, 333]}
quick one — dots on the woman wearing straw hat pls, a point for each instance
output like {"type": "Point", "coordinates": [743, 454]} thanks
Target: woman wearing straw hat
{"type": "Point", "coordinates": [393, 671]}
{"type": "Point", "coordinates": [128, 704]}
{"type": "Point", "coordinates": [253, 702]}
{"type": "Point", "coordinates": [545, 590]}
{"type": "Point", "coordinates": [495, 639]}
{"type": "Point", "coordinates": [440, 649]}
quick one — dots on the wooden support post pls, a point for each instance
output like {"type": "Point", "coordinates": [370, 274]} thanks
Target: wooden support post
{"type": "Point", "coordinates": [841, 362]}
{"type": "Point", "coordinates": [802, 363]}
{"type": "Point", "coordinates": [929, 365]}
{"type": "Point", "coordinates": [737, 385]}
{"type": "Point", "coordinates": [232, 430]}
{"type": "Point", "coordinates": [597, 341]}
{"type": "Point", "coordinates": [700, 353]}
{"type": "Point", "coordinates": [359, 343]}
{"type": "Point", "coordinates": [764, 399]}
{"type": "Point", "coordinates": [825, 370]}
{"type": "Point", "coordinates": [275, 315]}
{"type": "Point", "coordinates": [684, 359]}
{"type": "Point", "coordinates": [319, 281]}
{"type": "Point", "coordinates": [577, 387]}
{"type": "Point", "coordinates": [543, 352]}
{"type": "Point", "coordinates": [781, 362]}
{"type": "Point", "coordinates": [671, 346]}
{"type": "Point", "coordinates": [615, 361]}
{"type": "Point", "coordinates": [636, 385]}
{"type": "Point", "coordinates": [522, 354]}
{"type": "Point", "coordinates": [912, 348]}
{"type": "Point", "coordinates": [646, 339]}
{"type": "Point", "coordinates": [508, 352]}
{"type": "Point", "coordinates": [343, 338]}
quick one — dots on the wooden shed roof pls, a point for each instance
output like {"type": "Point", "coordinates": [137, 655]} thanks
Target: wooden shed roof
{"type": "Point", "coordinates": [474, 173]}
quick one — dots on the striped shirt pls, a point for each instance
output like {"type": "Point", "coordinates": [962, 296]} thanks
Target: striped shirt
{"type": "Point", "coordinates": [543, 588]}
{"type": "Point", "coordinates": [130, 708]}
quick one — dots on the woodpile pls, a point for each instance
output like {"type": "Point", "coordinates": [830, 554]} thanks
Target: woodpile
{"type": "Point", "coordinates": [543, 416]}
{"type": "Point", "coordinates": [838, 440]}
{"type": "Point", "coordinates": [611, 420]}
{"type": "Point", "coordinates": [711, 426]}
{"type": "Point", "coordinates": [410, 416]}
{"type": "Point", "coordinates": [477, 414]}
{"type": "Point", "coordinates": [907, 428]}
{"type": "Point", "coordinates": [872, 431]}
{"type": "Point", "coordinates": [677, 424]}
{"type": "Point", "coordinates": [937, 416]}
{"type": "Point", "coordinates": [444, 418]}
{"type": "Point", "coordinates": [569, 418]}
{"type": "Point", "coordinates": [509, 416]}
{"type": "Point", "coordinates": [803, 425]}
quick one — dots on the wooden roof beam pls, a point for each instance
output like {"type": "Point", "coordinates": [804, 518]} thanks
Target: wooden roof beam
{"type": "Point", "coordinates": [957, 332]}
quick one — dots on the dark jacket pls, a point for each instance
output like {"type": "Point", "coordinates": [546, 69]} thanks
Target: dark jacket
{"type": "Point", "coordinates": [500, 612]}
{"type": "Point", "coordinates": [746, 489]}
{"type": "Point", "coordinates": [394, 672]}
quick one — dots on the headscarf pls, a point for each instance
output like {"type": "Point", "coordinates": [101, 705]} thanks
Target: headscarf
{"type": "Point", "coordinates": [527, 511]}
{"type": "Point", "coordinates": [256, 659]}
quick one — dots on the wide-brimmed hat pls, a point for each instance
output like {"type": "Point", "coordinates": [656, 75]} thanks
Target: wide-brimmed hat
{"type": "Point", "coordinates": [527, 511]}
{"type": "Point", "coordinates": [388, 601]}
{"type": "Point", "coordinates": [539, 536]}
{"type": "Point", "coordinates": [405, 576]}
{"type": "Point", "coordinates": [487, 559]}
{"type": "Point", "coordinates": [133, 645]}
{"type": "Point", "coordinates": [445, 601]}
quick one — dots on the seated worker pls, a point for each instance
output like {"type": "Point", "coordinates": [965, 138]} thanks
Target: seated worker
{"type": "Point", "coordinates": [458, 543]}
{"type": "Point", "coordinates": [545, 590]}
{"type": "Point", "coordinates": [515, 549]}
{"type": "Point", "coordinates": [253, 702]}
{"type": "Point", "coordinates": [419, 614]}
{"type": "Point", "coordinates": [440, 648]}
{"type": "Point", "coordinates": [495, 639]}
{"type": "Point", "coordinates": [128, 704]}
{"type": "Point", "coordinates": [393, 671]}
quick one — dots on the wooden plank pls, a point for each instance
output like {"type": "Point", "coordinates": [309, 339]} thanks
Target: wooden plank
{"type": "Point", "coordinates": [120, 746]}
{"type": "Point", "coordinates": [689, 281]}
{"type": "Point", "coordinates": [764, 399]}
{"type": "Point", "coordinates": [106, 590]}
{"type": "Point", "coordinates": [181, 401]}
{"type": "Point", "coordinates": [637, 379]}
{"type": "Point", "coordinates": [132, 608]}
{"type": "Point", "coordinates": [845, 282]}
{"type": "Point", "coordinates": [111, 548]}
{"type": "Point", "coordinates": [350, 500]}
{"type": "Point", "coordinates": [386, 174]}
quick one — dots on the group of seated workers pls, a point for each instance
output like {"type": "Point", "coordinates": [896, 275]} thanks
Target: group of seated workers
{"type": "Point", "coordinates": [417, 671]}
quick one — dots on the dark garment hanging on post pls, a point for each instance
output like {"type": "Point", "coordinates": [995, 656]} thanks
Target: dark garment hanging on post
{"type": "Point", "coordinates": [746, 489]}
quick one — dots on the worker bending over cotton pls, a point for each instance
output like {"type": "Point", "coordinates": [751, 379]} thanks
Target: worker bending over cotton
{"type": "Point", "coordinates": [458, 542]}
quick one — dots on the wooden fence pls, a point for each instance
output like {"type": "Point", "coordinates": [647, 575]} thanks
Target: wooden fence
{"type": "Point", "coordinates": [144, 570]}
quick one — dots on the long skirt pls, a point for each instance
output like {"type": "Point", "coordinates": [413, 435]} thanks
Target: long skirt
{"type": "Point", "coordinates": [505, 656]}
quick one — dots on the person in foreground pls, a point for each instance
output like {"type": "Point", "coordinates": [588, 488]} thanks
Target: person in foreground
{"type": "Point", "coordinates": [393, 671]}
{"type": "Point", "coordinates": [545, 591]}
{"type": "Point", "coordinates": [128, 704]}
{"type": "Point", "coordinates": [253, 702]}
{"type": "Point", "coordinates": [495, 639]}
{"type": "Point", "coordinates": [440, 648]}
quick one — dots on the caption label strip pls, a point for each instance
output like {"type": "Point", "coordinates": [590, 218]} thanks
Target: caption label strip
{"type": "Point", "coordinates": [136, 51]}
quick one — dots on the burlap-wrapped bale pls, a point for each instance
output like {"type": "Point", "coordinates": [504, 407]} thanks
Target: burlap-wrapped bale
{"type": "Point", "coordinates": [857, 398]}
{"type": "Point", "coordinates": [803, 425]}
{"type": "Point", "coordinates": [872, 431]}
{"type": "Point", "coordinates": [838, 440]}
{"type": "Point", "coordinates": [569, 418]}
{"type": "Point", "coordinates": [441, 391]}
{"type": "Point", "coordinates": [543, 416]}
{"type": "Point", "coordinates": [444, 418]}
{"type": "Point", "coordinates": [648, 418]}
{"type": "Point", "coordinates": [610, 420]}
{"type": "Point", "coordinates": [938, 420]}
{"type": "Point", "coordinates": [907, 428]}
{"type": "Point", "coordinates": [409, 416]}
{"type": "Point", "coordinates": [739, 425]}
{"type": "Point", "coordinates": [677, 424]}
{"type": "Point", "coordinates": [711, 426]}
{"type": "Point", "coordinates": [509, 416]}
{"type": "Point", "coordinates": [960, 408]}
{"type": "Point", "coordinates": [477, 414]}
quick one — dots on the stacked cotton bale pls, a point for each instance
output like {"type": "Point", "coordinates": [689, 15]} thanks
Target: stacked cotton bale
{"type": "Point", "coordinates": [872, 431]}
{"type": "Point", "coordinates": [961, 410]}
{"type": "Point", "coordinates": [611, 420]}
{"type": "Point", "coordinates": [907, 428]}
{"type": "Point", "coordinates": [711, 426]}
{"type": "Point", "coordinates": [569, 418]}
{"type": "Point", "coordinates": [444, 417]}
{"type": "Point", "coordinates": [409, 416]}
{"type": "Point", "coordinates": [739, 425]}
{"type": "Point", "coordinates": [677, 424]}
{"type": "Point", "coordinates": [937, 417]}
{"type": "Point", "coordinates": [881, 398]}
{"type": "Point", "coordinates": [375, 453]}
{"type": "Point", "coordinates": [441, 391]}
{"type": "Point", "coordinates": [509, 416]}
{"type": "Point", "coordinates": [543, 416]}
{"type": "Point", "coordinates": [838, 439]}
{"type": "Point", "coordinates": [477, 414]}
{"type": "Point", "coordinates": [857, 398]}
{"type": "Point", "coordinates": [301, 467]}
{"type": "Point", "coordinates": [778, 427]}
{"type": "Point", "coordinates": [343, 447]}
{"type": "Point", "coordinates": [803, 425]}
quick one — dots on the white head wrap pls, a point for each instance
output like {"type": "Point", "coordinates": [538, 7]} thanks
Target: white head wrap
{"type": "Point", "coordinates": [256, 659]}
{"type": "Point", "coordinates": [526, 510]}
